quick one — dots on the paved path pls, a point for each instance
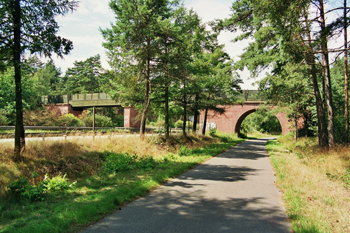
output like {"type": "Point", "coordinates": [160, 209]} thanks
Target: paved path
{"type": "Point", "coordinates": [233, 192]}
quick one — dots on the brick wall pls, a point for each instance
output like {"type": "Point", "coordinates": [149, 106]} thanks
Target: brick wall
{"type": "Point", "coordinates": [130, 117]}
{"type": "Point", "coordinates": [231, 120]}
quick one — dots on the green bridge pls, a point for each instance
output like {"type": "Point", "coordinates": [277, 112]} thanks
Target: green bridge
{"type": "Point", "coordinates": [104, 100]}
{"type": "Point", "coordinates": [82, 100]}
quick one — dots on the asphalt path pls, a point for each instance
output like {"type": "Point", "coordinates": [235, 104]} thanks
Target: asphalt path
{"type": "Point", "coordinates": [233, 192]}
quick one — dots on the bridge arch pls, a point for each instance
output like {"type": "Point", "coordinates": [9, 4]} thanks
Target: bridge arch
{"type": "Point", "coordinates": [231, 120]}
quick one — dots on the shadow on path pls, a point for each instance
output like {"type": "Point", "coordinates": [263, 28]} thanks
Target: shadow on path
{"type": "Point", "coordinates": [233, 192]}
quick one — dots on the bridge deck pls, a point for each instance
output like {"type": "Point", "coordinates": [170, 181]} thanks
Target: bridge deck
{"type": "Point", "coordinates": [104, 100]}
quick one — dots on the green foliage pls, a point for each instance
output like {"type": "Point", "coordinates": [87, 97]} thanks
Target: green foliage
{"type": "Point", "coordinates": [118, 162]}
{"type": "Point", "coordinates": [262, 121]}
{"type": "Point", "coordinates": [47, 79]}
{"type": "Point", "coordinates": [70, 120]}
{"type": "Point", "coordinates": [179, 124]}
{"type": "Point", "coordinates": [118, 121]}
{"type": "Point", "coordinates": [85, 77]}
{"type": "Point", "coordinates": [212, 132]}
{"type": "Point", "coordinates": [100, 121]}
{"type": "Point", "coordinates": [58, 183]}
{"type": "Point", "coordinates": [7, 94]}
{"type": "Point", "coordinates": [114, 163]}
{"type": "Point", "coordinates": [3, 118]}
{"type": "Point", "coordinates": [22, 188]}
{"type": "Point", "coordinates": [146, 163]}
{"type": "Point", "coordinates": [224, 137]}
{"type": "Point", "coordinates": [184, 151]}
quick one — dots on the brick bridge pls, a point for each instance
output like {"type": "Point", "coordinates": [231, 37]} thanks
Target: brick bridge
{"type": "Point", "coordinates": [75, 104]}
{"type": "Point", "coordinates": [229, 122]}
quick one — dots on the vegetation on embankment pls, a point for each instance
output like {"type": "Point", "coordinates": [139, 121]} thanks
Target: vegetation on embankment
{"type": "Point", "coordinates": [315, 184]}
{"type": "Point", "coordinates": [88, 180]}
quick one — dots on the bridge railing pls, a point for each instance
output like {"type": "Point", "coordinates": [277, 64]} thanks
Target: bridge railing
{"type": "Point", "coordinates": [64, 99]}
{"type": "Point", "coordinates": [251, 95]}
{"type": "Point", "coordinates": [247, 95]}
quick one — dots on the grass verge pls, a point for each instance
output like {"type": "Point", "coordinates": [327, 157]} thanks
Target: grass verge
{"type": "Point", "coordinates": [98, 191]}
{"type": "Point", "coordinates": [315, 201]}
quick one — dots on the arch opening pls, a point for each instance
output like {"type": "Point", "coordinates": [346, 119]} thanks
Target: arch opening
{"type": "Point", "coordinates": [258, 120]}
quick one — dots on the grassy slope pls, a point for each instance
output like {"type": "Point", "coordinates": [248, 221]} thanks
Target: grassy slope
{"type": "Point", "coordinates": [314, 202]}
{"type": "Point", "coordinates": [100, 194]}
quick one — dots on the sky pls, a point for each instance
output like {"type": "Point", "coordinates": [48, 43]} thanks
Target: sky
{"type": "Point", "coordinates": [82, 27]}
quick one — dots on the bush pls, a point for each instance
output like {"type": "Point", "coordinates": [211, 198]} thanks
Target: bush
{"type": "Point", "coordinates": [118, 162]}
{"type": "Point", "coordinates": [70, 120]}
{"type": "Point", "coordinates": [58, 183]}
{"type": "Point", "coordinates": [3, 119]}
{"type": "Point", "coordinates": [146, 163]}
{"type": "Point", "coordinates": [100, 121]}
{"type": "Point", "coordinates": [48, 116]}
{"type": "Point", "coordinates": [179, 124]}
{"type": "Point", "coordinates": [125, 162]}
{"type": "Point", "coordinates": [212, 132]}
{"type": "Point", "coordinates": [118, 121]}
{"type": "Point", "coordinates": [22, 188]}
{"type": "Point", "coordinates": [184, 151]}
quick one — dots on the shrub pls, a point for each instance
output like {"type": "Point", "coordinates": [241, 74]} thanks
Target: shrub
{"type": "Point", "coordinates": [58, 183]}
{"type": "Point", "coordinates": [48, 116]}
{"type": "Point", "coordinates": [125, 162]}
{"type": "Point", "coordinates": [179, 124]}
{"type": "Point", "coordinates": [22, 188]}
{"type": "Point", "coordinates": [118, 121]}
{"type": "Point", "coordinates": [212, 132]}
{"type": "Point", "coordinates": [3, 118]}
{"type": "Point", "coordinates": [184, 151]}
{"type": "Point", "coordinates": [100, 121]}
{"type": "Point", "coordinates": [118, 162]}
{"type": "Point", "coordinates": [147, 163]}
{"type": "Point", "coordinates": [70, 120]}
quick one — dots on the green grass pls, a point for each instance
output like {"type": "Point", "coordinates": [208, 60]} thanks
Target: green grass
{"type": "Point", "coordinates": [95, 197]}
{"type": "Point", "coordinates": [292, 195]}
{"type": "Point", "coordinates": [315, 201]}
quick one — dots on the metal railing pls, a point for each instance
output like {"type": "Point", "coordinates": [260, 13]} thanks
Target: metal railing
{"type": "Point", "coordinates": [251, 95]}
{"type": "Point", "coordinates": [65, 99]}
{"type": "Point", "coordinates": [247, 95]}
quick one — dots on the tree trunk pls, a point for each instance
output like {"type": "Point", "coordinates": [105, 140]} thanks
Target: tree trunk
{"type": "Point", "coordinates": [205, 121]}
{"type": "Point", "coordinates": [295, 127]}
{"type": "Point", "coordinates": [185, 111]}
{"type": "Point", "coordinates": [195, 117]}
{"type": "Point", "coordinates": [167, 134]}
{"type": "Point", "coordinates": [346, 138]}
{"type": "Point", "coordinates": [19, 129]}
{"type": "Point", "coordinates": [147, 94]}
{"type": "Point", "coordinates": [166, 105]}
{"type": "Point", "coordinates": [325, 61]}
{"type": "Point", "coordinates": [322, 125]}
